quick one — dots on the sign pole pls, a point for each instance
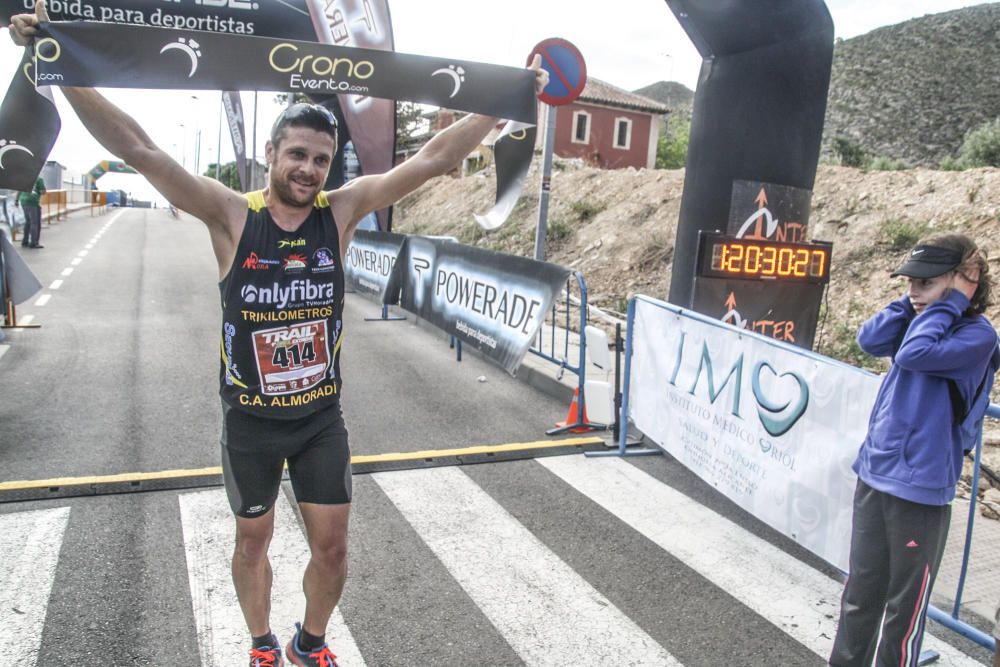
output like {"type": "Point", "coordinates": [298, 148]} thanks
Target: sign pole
{"type": "Point", "coordinates": [543, 196]}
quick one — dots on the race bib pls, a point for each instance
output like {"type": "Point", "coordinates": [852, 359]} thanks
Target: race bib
{"type": "Point", "coordinates": [291, 358]}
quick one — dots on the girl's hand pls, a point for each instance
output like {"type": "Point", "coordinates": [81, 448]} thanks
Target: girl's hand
{"type": "Point", "coordinates": [966, 283]}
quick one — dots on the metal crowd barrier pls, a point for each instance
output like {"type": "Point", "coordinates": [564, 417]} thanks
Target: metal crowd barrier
{"type": "Point", "coordinates": [55, 203]}
{"type": "Point", "coordinates": [552, 343]}
{"type": "Point", "coordinates": [950, 620]}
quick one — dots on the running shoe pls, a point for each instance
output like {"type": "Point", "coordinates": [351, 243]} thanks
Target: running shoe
{"type": "Point", "coordinates": [320, 657]}
{"type": "Point", "coordinates": [266, 656]}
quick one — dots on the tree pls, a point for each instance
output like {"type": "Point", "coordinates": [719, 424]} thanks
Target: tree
{"type": "Point", "coordinates": [981, 147]}
{"type": "Point", "coordinates": [672, 146]}
{"type": "Point", "coordinates": [228, 175]}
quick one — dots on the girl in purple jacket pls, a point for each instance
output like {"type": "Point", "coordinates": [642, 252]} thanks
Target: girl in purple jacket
{"type": "Point", "coordinates": [926, 416]}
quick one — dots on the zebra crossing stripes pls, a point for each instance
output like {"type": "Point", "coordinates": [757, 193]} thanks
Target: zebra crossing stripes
{"type": "Point", "coordinates": [30, 554]}
{"type": "Point", "coordinates": [209, 537]}
{"type": "Point", "coordinates": [796, 598]}
{"type": "Point", "coordinates": [546, 612]}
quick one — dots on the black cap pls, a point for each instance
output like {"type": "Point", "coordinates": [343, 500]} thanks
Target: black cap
{"type": "Point", "coordinates": [928, 261]}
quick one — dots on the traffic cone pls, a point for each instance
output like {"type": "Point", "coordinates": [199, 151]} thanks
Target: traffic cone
{"type": "Point", "coordinates": [572, 416]}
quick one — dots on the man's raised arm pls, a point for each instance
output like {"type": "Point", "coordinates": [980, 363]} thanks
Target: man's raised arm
{"type": "Point", "coordinates": [437, 157]}
{"type": "Point", "coordinates": [221, 209]}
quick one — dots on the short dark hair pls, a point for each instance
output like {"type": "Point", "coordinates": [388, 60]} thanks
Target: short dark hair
{"type": "Point", "coordinates": [972, 257]}
{"type": "Point", "coordinates": [303, 114]}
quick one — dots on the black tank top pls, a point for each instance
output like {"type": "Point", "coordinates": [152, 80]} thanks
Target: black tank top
{"type": "Point", "coordinates": [282, 323]}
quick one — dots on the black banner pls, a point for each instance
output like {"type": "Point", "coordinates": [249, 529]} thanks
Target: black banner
{"type": "Point", "coordinates": [233, 105]}
{"type": "Point", "coordinates": [369, 260]}
{"type": "Point", "coordinates": [491, 301]}
{"type": "Point", "coordinates": [29, 126]}
{"type": "Point", "coordinates": [268, 18]}
{"type": "Point", "coordinates": [512, 153]}
{"type": "Point", "coordinates": [120, 56]}
{"type": "Point", "coordinates": [369, 122]}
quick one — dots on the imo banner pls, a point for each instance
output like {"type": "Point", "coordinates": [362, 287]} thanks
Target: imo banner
{"type": "Point", "coordinates": [491, 301]}
{"type": "Point", "coordinates": [773, 428]}
{"type": "Point", "coordinates": [369, 260]}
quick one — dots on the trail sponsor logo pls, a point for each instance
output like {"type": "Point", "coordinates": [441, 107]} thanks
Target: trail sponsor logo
{"type": "Point", "coordinates": [293, 358]}
{"type": "Point", "coordinates": [297, 292]}
{"type": "Point", "coordinates": [255, 263]}
{"type": "Point", "coordinates": [232, 373]}
{"type": "Point", "coordinates": [457, 74]}
{"type": "Point", "coordinates": [295, 263]}
{"type": "Point", "coordinates": [7, 146]}
{"type": "Point", "coordinates": [291, 243]}
{"type": "Point", "coordinates": [308, 71]}
{"type": "Point", "coordinates": [188, 47]}
{"type": "Point", "coordinates": [323, 261]}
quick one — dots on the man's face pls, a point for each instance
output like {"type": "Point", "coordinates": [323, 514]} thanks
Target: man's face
{"type": "Point", "coordinates": [299, 164]}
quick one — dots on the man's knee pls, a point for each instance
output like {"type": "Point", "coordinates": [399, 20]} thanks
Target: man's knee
{"type": "Point", "coordinates": [330, 553]}
{"type": "Point", "coordinates": [253, 537]}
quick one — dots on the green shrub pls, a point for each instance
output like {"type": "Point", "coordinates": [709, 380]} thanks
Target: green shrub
{"type": "Point", "coordinates": [585, 210]}
{"type": "Point", "coordinates": [557, 230]}
{"type": "Point", "coordinates": [981, 147]}
{"type": "Point", "coordinates": [672, 146]}
{"type": "Point", "coordinates": [850, 152]}
{"type": "Point", "coordinates": [900, 234]}
{"type": "Point", "coordinates": [951, 164]}
{"type": "Point", "coordinates": [887, 164]}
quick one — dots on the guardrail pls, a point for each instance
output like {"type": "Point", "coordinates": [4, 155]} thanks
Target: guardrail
{"type": "Point", "coordinates": [55, 204]}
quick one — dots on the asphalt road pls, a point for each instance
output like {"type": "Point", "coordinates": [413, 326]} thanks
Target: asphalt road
{"type": "Point", "coordinates": [551, 561]}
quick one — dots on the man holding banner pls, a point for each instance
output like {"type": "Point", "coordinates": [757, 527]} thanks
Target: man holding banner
{"type": "Point", "coordinates": [280, 255]}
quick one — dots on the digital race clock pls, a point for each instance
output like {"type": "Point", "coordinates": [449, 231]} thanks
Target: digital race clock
{"type": "Point", "coordinates": [721, 256]}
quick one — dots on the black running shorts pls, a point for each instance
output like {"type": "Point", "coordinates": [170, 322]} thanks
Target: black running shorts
{"type": "Point", "coordinates": [254, 451]}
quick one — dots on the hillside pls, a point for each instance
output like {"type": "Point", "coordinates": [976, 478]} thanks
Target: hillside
{"type": "Point", "coordinates": [911, 91]}
{"type": "Point", "coordinates": [618, 229]}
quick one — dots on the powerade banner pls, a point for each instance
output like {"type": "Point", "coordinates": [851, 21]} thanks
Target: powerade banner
{"type": "Point", "coordinates": [29, 125]}
{"type": "Point", "coordinates": [369, 260]}
{"type": "Point", "coordinates": [772, 427]}
{"type": "Point", "coordinates": [117, 56]}
{"type": "Point", "coordinates": [491, 301]}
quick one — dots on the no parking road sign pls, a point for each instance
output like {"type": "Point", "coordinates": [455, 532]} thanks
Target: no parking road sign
{"type": "Point", "coordinates": [566, 68]}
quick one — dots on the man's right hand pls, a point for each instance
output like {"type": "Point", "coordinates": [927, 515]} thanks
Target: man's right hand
{"type": "Point", "coordinates": [24, 27]}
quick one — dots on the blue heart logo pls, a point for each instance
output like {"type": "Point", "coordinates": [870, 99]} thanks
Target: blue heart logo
{"type": "Point", "coordinates": [767, 411]}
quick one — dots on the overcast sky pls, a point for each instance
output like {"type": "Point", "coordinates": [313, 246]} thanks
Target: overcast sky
{"type": "Point", "coordinates": [629, 43]}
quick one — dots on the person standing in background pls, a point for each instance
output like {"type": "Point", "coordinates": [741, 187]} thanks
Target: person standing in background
{"type": "Point", "coordinates": [31, 204]}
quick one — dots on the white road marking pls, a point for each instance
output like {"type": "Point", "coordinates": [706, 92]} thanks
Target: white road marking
{"type": "Point", "coordinates": [83, 253]}
{"type": "Point", "coordinates": [800, 600]}
{"type": "Point", "coordinates": [223, 639]}
{"type": "Point", "coordinates": [545, 610]}
{"type": "Point", "coordinates": [56, 284]}
{"type": "Point", "coordinates": [3, 350]}
{"type": "Point", "coordinates": [44, 299]}
{"type": "Point", "coordinates": [67, 271]}
{"type": "Point", "coordinates": [75, 261]}
{"type": "Point", "coordinates": [31, 551]}
{"type": "Point", "coordinates": [25, 319]}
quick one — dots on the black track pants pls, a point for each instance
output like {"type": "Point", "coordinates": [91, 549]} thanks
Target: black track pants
{"type": "Point", "coordinates": [896, 547]}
